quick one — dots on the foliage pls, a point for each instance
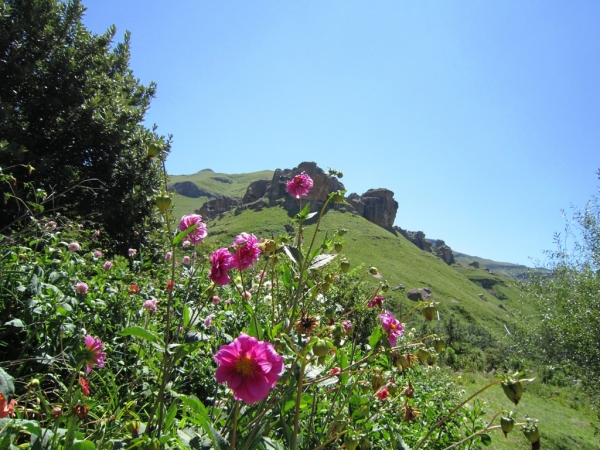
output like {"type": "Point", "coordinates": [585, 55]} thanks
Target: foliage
{"type": "Point", "coordinates": [566, 331]}
{"type": "Point", "coordinates": [344, 380]}
{"type": "Point", "coordinates": [71, 114]}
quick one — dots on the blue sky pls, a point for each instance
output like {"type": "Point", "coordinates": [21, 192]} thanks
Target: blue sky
{"type": "Point", "coordinates": [482, 117]}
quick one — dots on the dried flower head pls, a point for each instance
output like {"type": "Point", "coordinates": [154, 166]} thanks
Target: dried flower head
{"type": "Point", "coordinates": [307, 324]}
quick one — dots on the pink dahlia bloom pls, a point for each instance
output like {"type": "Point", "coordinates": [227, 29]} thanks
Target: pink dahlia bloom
{"type": "Point", "coordinates": [94, 355]}
{"type": "Point", "coordinates": [81, 288]}
{"type": "Point", "coordinates": [300, 185]}
{"type": "Point", "coordinates": [246, 251]}
{"type": "Point", "coordinates": [251, 368]}
{"type": "Point", "coordinates": [107, 265]}
{"type": "Point", "coordinates": [168, 256]}
{"type": "Point", "coordinates": [392, 327]}
{"type": "Point", "coordinates": [187, 260]}
{"type": "Point", "coordinates": [98, 254]}
{"type": "Point", "coordinates": [221, 261]}
{"type": "Point", "coordinates": [383, 393]}
{"type": "Point", "coordinates": [377, 301]}
{"type": "Point", "coordinates": [150, 305]}
{"type": "Point", "coordinates": [74, 247]}
{"type": "Point", "coordinates": [132, 252]}
{"type": "Point", "coordinates": [199, 233]}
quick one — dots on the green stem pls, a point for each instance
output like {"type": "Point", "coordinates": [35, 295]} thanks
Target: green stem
{"type": "Point", "coordinates": [422, 441]}
{"type": "Point", "coordinates": [298, 399]}
{"type": "Point", "coordinates": [234, 426]}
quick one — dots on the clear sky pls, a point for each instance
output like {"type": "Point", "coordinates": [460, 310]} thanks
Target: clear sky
{"type": "Point", "coordinates": [483, 117]}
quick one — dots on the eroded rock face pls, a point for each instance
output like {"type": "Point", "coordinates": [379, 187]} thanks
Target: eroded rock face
{"type": "Point", "coordinates": [376, 205]}
{"type": "Point", "coordinates": [444, 252]}
{"type": "Point", "coordinates": [323, 186]}
{"type": "Point", "coordinates": [218, 205]}
{"type": "Point", "coordinates": [416, 237]}
{"type": "Point", "coordinates": [189, 189]}
{"type": "Point", "coordinates": [256, 190]}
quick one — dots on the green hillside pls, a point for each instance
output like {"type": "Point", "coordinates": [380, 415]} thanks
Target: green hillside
{"type": "Point", "coordinates": [216, 184]}
{"type": "Point", "coordinates": [500, 268]}
{"type": "Point", "coordinates": [398, 260]}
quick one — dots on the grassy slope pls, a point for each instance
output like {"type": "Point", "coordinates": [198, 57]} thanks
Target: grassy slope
{"type": "Point", "coordinates": [205, 179]}
{"type": "Point", "coordinates": [565, 421]}
{"type": "Point", "coordinates": [399, 261]}
{"type": "Point", "coordinates": [500, 268]}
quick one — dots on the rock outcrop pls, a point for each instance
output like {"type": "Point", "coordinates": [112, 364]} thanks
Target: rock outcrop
{"type": "Point", "coordinates": [444, 252]}
{"type": "Point", "coordinates": [376, 205]}
{"type": "Point", "coordinates": [189, 189]}
{"type": "Point", "coordinates": [417, 238]}
{"type": "Point", "coordinates": [218, 205]}
{"type": "Point", "coordinates": [422, 294]}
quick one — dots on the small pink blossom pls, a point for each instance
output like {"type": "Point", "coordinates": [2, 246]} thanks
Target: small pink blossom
{"type": "Point", "coordinates": [246, 251]}
{"type": "Point", "coordinates": [81, 288]}
{"type": "Point", "coordinates": [221, 261]}
{"type": "Point", "coordinates": [246, 295]}
{"type": "Point", "coordinates": [346, 324]}
{"type": "Point", "coordinates": [186, 244]}
{"type": "Point", "coordinates": [96, 234]}
{"type": "Point", "coordinates": [251, 368]}
{"type": "Point", "coordinates": [377, 301]}
{"type": "Point", "coordinates": [300, 185]}
{"type": "Point", "coordinates": [383, 393]}
{"type": "Point", "coordinates": [187, 260]}
{"type": "Point", "coordinates": [150, 305]}
{"type": "Point", "coordinates": [261, 275]}
{"type": "Point", "coordinates": [85, 386]}
{"type": "Point", "coordinates": [7, 408]}
{"type": "Point", "coordinates": [208, 321]}
{"type": "Point", "coordinates": [335, 371]}
{"type": "Point", "coordinates": [228, 302]}
{"type": "Point", "coordinates": [132, 252]}
{"type": "Point", "coordinates": [392, 327]}
{"type": "Point", "coordinates": [94, 355]}
{"type": "Point", "coordinates": [168, 256]}
{"type": "Point", "coordinates": [74, 247]}
{"type": "Point", "coordinates": [107, 265]}
{"type": "Point", "coordinates": [51, 225]}
{"type": "Point", "coordinates": [216, 299]}
{"type": "Point", "coordinates": [199, 233]}
{"type": "Point", "coordinates": [98, 254]}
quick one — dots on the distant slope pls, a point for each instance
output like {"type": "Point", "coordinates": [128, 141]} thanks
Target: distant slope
{"type": "Point", "coordinates": [500, 268]}
{"type": "Point", "coordinates": [215, 184]}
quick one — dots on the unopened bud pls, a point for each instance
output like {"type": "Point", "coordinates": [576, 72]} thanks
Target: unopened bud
{"type": "Point", "coordinates": [373, 270]}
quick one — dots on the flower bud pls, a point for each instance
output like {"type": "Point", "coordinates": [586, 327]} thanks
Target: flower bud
{"type": "Point", "coordinates": [345, 265]}
{"type": "Point", "coordinates": [342, 231]}
{"type": "Point", "coordinates": [350, 441]}
{"type": "Point", "coordinates": [377, 380]}
{"type": "Point", "coordinates": [338, 247]}
{"type": "Point", "coordinates": [423, 354]}
{"type": "Point", "coordinates": [34, 383]}
{"type": "Point", "coordinates": [429, 310]}
{"type": "Point", "coordinates": [439, 344]}
{"type": "Point", "coordinates": [373, 270]}
{"type": "Point", "coordinates": [320, 348]}
{"type": "Point", "coordinates": [507, 423]}
{"type": "Point", "coordinates": [532, 432]}
{"type": "Point", "coordinates": [385, 287]}
{"type": "Point", "coordinates": [134, 428]}
{"type": "Point", "coordinates": [163, 202]}
{"type": "Point", "coordinates": [513, 390]}
{"type": "Point", "coordinates": [152, 151]}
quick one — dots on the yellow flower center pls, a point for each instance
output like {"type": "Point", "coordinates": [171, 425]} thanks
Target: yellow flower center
{"type": "Point", "coordinates": [245, 365]}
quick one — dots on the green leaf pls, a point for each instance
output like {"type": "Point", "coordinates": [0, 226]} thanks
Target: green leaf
{"type": "Point", "coordinates": [177, 239]}
{"type": "Point", "coordinates": [321, 261]}
{"type": "Point", "coordinates": [292, 253]}
{"type": "Point", "coordinates": [375, 336]}
{"type": "Point", "coordinates": [83, 445]}
{"type": "Point", "coordinates": [17, 323]}
{"type": "Point", "coordinates": [486, 440]}
{"type": "Point", "coordinates": [186, 316]}
{"type": "Point", "coordinates": [7, 386]}
{"type": "Point", "coordinates": [141, 333]}
{"type": "Point", "coordinates": [343, 358]}
{"type": "Point", "coordinates": [303, 215]}
{"type": "Point", "coordinates": [170, 416]}
{"type": "Point", "coordinates": [311, 215]}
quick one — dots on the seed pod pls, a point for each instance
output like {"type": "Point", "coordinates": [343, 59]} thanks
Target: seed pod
{"type": "Point", "coordinates": [350, 441]}
{"type": "Point", "coordinates": [338, 247]}
{"type": "Point", "coordinates": [513, 390]}
{"type": "Point", "coordinates": [385, 287]}
{"type": "Point", "coordinates": [532, 432]}
{"type": "Point", "coordinates": [345, 265]}
{"type": "Point", "coordinates": [320, 348]}
{"type": "Point", "coordinates": [439, 344]}
{"type": "Point", "coordinates": [429, 311]}
{"type": "Point", "coordinates": [377, 381]}
{"type": "Point", "coordinates": [373, 270]}
{"type": "Point", "coordinates": [134, 428]}
{"type": "Point", "coordinates": [423, 354]}
{"type": "Point", "coordinates": [507, 423]}
{"type": "Point", "coordinates": [163, 202]}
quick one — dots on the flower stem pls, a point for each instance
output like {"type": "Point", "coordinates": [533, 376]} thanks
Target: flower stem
{"type": "Point", "coordinates": [234, 426]}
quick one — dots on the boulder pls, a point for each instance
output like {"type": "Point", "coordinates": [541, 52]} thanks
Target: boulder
{"type": "Point", "coordinates": [256, 190]}
{"type": "Point", "coordinates": [474, 264]}
{"type": "Point", "coordinates": [422, 294]}
{"type": "Point", "coordinates": [444, 252]}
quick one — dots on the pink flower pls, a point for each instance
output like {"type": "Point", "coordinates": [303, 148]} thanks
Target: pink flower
{"type": "Point", "coordinates": [7, 409]}
{"type": "Point", "coordinates": [246, 251]}
{"type": "Point", "coordinates": [246, 295]}
{"type": "Point", "coordinates": [377, 301]}
{"type": "Point", "coordinates": [186, 244]}
{"type": "Point", "coordinates": [208, 321]}
{"type": "Point", "coordinates": [261, 276]}
{"type": "Point", "coordinates": [81, 288]}
{"type": "Point", "coordinates": [107, 265]}
{"type": "Point", "coordinates": [94, 356]}
{"type": "Point", "coordinates": [346, 324]}
{"type": "Point", "coordinates": [392, 327]}
{"type": "Point", "coordinates": [132, 252]}
{"type": "Point", "coordinates": [383, 393]}
{"type": "Point", "coordinates": [335, 371]}
{"type": "Point", "coordinates": [199, 233]}
{"type": "Point", "coordinates": [74, 247]}
{"type": "Point", "coordinates": [98, 254]}
{"type": "Point", "coordinates": [300, 185]}
{"type": "Point", "coordinates": [51, 225]}
{"type": "Point", "coordinates": [221, 261]}
{"type": "Point", "coordinates": [251, 368]}
{"type": "Point", "coordinates": [168, 256]}
{"type": "Point", "coordinates": [216, 299]}
{"type": "Point", "coordinates": [187, 260]}
{"type": "Point", "coordinates": [150, 305]}
{"type": "Point", "coordinates": [228, 302]}
{"type": "Point", "coordinates": [96, 234]}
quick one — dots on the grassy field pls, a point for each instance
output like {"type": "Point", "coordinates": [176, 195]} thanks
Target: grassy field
{"type": "Point", "coordinates": [565, 417]}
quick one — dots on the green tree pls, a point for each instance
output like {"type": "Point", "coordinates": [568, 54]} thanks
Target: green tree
{"type": "Point", "coordinates": [71, 107]}
{"type": "Point", "coordinates": [566, 331]}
